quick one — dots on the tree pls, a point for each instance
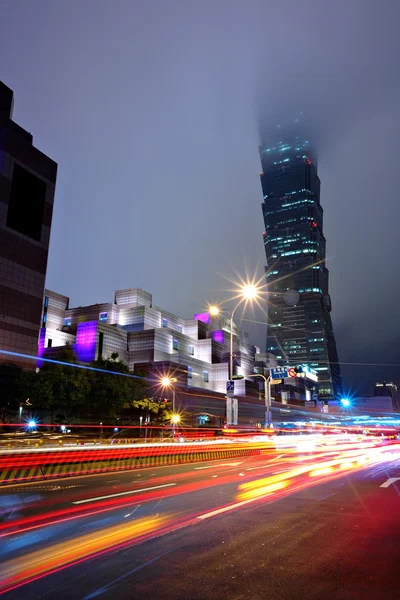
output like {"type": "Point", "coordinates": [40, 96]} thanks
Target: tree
{"type": "Point", "coordinates": [61, 389]}
{"type": "Point", "coordinates": [113, 391]}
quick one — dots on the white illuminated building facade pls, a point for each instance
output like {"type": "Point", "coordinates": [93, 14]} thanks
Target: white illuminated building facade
{"type": "Point", "coordinates": [142, 333]}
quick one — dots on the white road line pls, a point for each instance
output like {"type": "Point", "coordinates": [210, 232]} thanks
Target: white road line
{"type": "Point", "coordinates": [225, 509]}
{"type": "Point", "coordinates": [236, 464]}
{"type": "Point", "coordinates": [390, 481]}
{"type": "Point", "coordinates": [156, 487]}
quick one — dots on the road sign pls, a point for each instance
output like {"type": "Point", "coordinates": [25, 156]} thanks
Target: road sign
{"type": "Point", "coordinates": [228, 410]}
{"type": "Point", "coordinates": [279, 373]}
{"type": "Point", "coordinates": [235, 411]}
{"type": "Point", "coordinates": [276, 381]}
{"type": "Point", "coordinates": [230, 388]}
{"type": "Point", "coordinates": [292, 372]}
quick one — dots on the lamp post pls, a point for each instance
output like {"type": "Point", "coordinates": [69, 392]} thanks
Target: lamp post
{"type": "Point", "coordinates": [267, 396]}
{"type": "Point", "coordinates": [248, 292]}
{"type": "Point", "coordinates": [167, 382]}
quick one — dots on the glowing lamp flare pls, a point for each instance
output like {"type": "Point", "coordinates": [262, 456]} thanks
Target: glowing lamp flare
{"type": "Point", "coordinates": [167, 381]}
{"type": "Point", "coordinates": [249, 291]}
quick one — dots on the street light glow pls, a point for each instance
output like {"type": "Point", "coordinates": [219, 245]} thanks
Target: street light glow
{"type": "Point", "coordinates": [175, 419]}
{"type": "Point", "coordinates": [167, 381]}
{"type": "Point", "coordinates": [31, 424]}
{"type": "Point", "coordinates": [345, 402]}
{"type": "Point", "coordinates": [214, 311]}
{"type": "Point", "coordinates": [249, 291]}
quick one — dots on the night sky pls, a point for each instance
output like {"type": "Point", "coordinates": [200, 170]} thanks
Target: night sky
{"type": "Point", "coordinates": [151, 110]}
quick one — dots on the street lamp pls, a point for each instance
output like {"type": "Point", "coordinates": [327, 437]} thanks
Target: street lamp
{"type": "Point", "coordinates": [167, 382]}
{"type": "Point", "coordinates": [267, 396]}
{"type": "Point", "coordinates": [247, 293]}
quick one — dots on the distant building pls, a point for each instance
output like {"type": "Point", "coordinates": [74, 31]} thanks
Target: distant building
{"type": "Point", "coordinates": [300, 328]}
{"type": "Point", "coordinates": [27, 185]}
{"type": "Point", "coordinates": [372, 405]}
{"type": "Point", "coordinates": [195, 351]}
{"type": "Point", "coordinates": [388, 389]}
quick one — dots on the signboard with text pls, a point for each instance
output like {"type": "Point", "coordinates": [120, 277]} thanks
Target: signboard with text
{"type": "Point", "coordinates": [235, 411]}
{"type": "Point", "coordinates": [230, 388]}
{"type": "Point", "coordinates": [228, 410]}
{"type": "Point", "coordinates": [279, 373]}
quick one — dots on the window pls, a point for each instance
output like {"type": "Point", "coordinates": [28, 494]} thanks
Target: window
{"type": "Point", "coordinates": [190, 372]}
{"type": "Point", "coordinates": [191, 350]}
{"type": "Point", "coordinates": [44, 318]}
{"type": "Point", "coordinates": [205, 376]}
{"type": "Point", "coordinates": [164, 323]}
{"type": "Point", "coordinates": [46, 301]}
{"type": "Point", "coordinates": [175, 344]}
{"type": "Point", "coordinates": [179, 328]}
{"type": "Point", "coordinates": [26, 203]}
{"type": "Point", "coordinates": [103, 316]}
{"type": "Point", "coordinates": [49, 343]}
{"type": "Point", "coordinates": [101, 342]}
{"type": "Point", "coordinates": [67, 322]}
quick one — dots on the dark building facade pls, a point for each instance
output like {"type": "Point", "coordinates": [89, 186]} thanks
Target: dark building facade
{"type": "Point", "coordinates": [299, 325]}
{"type": "Point", "coordinates": [27, 185]}
{"type": "Point", "coordinates": [384, 389]}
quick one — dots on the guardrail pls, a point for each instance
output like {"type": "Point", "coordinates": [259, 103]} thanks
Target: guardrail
{"type": "Point", "coordinates": [19, 466]}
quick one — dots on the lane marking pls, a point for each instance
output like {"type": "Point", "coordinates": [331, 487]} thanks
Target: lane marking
{"type": "Point", "coordinates": [390, 481]}
{"type": "Point", "coordinates": [218, 511]}
{"type": "Point", "coordinates": [236, 464]}
{"type": "Point", "coordinates": [155, 487]}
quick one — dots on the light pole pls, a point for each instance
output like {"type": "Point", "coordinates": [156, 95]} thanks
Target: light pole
{"type": "Point", "coordinates": [168, 382]}
{"type": "Point", "coordinates": [267, 396]}
{"type": "Point", "coordinates": [247, 293]}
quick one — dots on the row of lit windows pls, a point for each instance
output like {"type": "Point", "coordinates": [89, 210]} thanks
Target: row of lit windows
{"type": "Point", "coordinates": [164, 323]}
{"type": "Point", "coordinates": [302, 218]}
{"type": "Point", "coordinates": [305, 251]}
{"type": "Point", "coordinates": [190, 374]}
{"type": "Point", "coordinates": [289, 206]}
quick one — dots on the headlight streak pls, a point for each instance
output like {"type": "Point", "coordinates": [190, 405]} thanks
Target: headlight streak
{"type": "Point", "coordinates": [355, 458]}
{"type": "Point", "coordinates": [37, 564]}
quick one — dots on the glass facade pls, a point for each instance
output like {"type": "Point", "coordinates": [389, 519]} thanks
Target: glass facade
{"type": "Point", "coordinates": [300, 326]}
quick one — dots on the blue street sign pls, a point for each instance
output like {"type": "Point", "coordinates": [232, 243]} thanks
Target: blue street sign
{"type": "Point", "coordinates": [230, 388]}
{"type": "Point", "coordinates": [279, 373]}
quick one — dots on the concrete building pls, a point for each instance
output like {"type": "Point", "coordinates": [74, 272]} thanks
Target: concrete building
{"type": "Point", "coordinates": [372, 405]}
{"type": "Point", "coordinates": [27, 185]}
{"type": "Point", "coordinates": [195, 351]}
{"type": "Point", "coordinates": [383, 389]}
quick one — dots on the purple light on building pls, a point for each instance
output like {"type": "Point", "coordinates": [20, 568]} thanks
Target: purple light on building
{"type": "Point", "coordinates": [204, 317]}
{"type": "Point", "coordinates": [42, 341]}
{"type": "Point", "coordinates": [86, 338]}
{"type": "Point", "coordinates": [218, 336]}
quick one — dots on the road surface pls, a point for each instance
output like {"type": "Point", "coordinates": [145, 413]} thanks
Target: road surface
{"type": "Point", "coordinates": [315, 523]}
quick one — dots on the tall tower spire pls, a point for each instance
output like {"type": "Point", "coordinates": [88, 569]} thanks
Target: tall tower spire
{"type": "Point", "coordinates": [300, 327]}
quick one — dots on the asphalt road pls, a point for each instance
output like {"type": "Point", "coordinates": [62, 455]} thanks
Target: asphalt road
{"type": "Point", "coordinates": [288, 525]}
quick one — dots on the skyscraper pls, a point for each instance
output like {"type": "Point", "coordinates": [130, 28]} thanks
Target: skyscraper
{"type": "Point", "coordinates": [299, 325]}
{"type": "Point", "coordinates": [27, 184]}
